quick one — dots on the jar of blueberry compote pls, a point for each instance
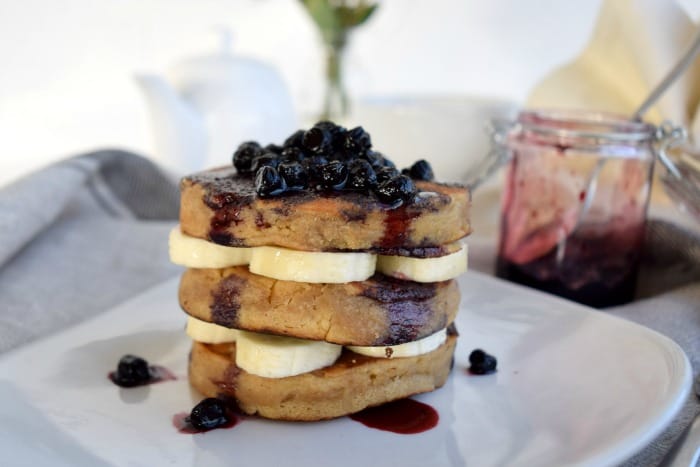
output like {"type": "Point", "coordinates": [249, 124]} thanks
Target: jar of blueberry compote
{"type": "Point", "coordinates": [574, 204]}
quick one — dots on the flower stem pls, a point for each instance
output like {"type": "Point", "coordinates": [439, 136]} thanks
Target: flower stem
{"type": "Point", "coordinates": [336, 101]}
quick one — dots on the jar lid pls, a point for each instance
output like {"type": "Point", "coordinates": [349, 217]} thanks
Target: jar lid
{"type": "Point", "coordinates": [601, 127]}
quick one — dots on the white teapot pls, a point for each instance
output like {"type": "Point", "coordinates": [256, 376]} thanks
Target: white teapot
{"type": "Point", "coordinates": [211, 104]}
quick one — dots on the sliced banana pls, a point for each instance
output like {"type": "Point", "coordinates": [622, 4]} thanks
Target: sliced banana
{"type": "Point", "coordinates": [311, 266]}
{"type": "Point", "coordinates": [194, 252]}
{"type": "Point", "coordinates": [209, 333]}
{"type": "Point", "coordinates": [437, 269]}
{"type": "Point", "coordinates": [409, 349]}
{"type": "Point", "coordinates": [278, 357]}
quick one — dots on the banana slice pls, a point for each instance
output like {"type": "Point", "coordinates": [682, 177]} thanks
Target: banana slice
{"type": "Point", "coordinates": [437, 269]}
{"type": "Point", "coordinates": [209, 333]}
{"type": "Point", "coordinates": [194, 252]}
{"type": "Point", "coordinates": [277, 356]}
{"type": "Point", "coordinates": [409, 349]}
{"type": "Point", "coordinates": [311, 266]}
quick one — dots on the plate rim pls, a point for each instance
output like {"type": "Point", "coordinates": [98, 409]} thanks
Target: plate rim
{"type": "Point", "coordinates": [635, 442]}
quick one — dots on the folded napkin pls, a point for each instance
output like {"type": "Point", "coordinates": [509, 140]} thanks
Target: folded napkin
{"type": "Point", "coordinates": [634, 44]}
{"type": "Point", "coordinates": [80, 237]}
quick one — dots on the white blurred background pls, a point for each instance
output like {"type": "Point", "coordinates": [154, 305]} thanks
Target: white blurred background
{"type": "Point", "coordinates": [67, 66]}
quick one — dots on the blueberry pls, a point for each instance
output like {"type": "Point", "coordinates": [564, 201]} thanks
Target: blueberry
{"type": "Point", "coordinates": [273, 148]}
{"type": "Point", "coordinates": [421, 170]}
{"type": "Point", "coordinates": [328, 126]}
{"type": "Point", "coordinates": [244, 155]}
{"type": "Point", "coordinates": [313, 164]}
{"type": "Point", "coordinates": [293, 174]}
{"type": "Point", "coordinates": [396, 190]}
{"type": "Point", "coordinates": [210, 413]}
{"type": "Point", "coordinates": [385, 173]}
{"type": "Point", "coordinates": [132, 371]}
{"type": "Point", "coordinates": [317, 140]}
{"type": "Point", "coordinates": [481, 363]}
{"type": "Point", "coordinates": [268, 182]}
{"type": "Point", "coordinates": [361, 175]}
{"type": "Point", "coordinates": [388, 163]}
{"type": "Point", "coordinates": [337, 132]}
{"type": "Point", "coordinates": [293, 153]}
{"type": "Point", "coordinates": [294, 141]}
{"type": "Point", "coordinates": [357, 141]}
{"type": "Point", "coordinates": [267, 159]}
{"type": "Point", "coordinates": [376, 159]}
{"type": "Point", "coordinates": [333, 175]}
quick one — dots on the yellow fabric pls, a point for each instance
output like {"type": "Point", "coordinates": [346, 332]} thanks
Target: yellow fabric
{"type": "Point", "coordinates": [634, 44]}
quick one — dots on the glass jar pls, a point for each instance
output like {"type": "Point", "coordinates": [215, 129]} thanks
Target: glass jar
{"type": "Point", "coordinates": [574, 205]}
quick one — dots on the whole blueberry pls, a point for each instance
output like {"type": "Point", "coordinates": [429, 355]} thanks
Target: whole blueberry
{"type": "Point", "coordinates": [357, 141]}
{"type": "Point", "coordinates": [132, 371]}
{"type": "Point", "coordinates": [396, 190]}
{"type": "Point", "coordinates": [375, 159]}
{"type": "Point", "coordinates": [293, 154]}
{"type": "Point", "coordinates": [333, 175]}
{"type": "Point", "coordinates": [334, 129]}
{"type": "Point", "coordinates": [210, 413]}
{"type": "Point", "coordinates": [268, 182]}
{"type": "Point", "coordinates": [361, 175]}
{"type": "Point", "coordinates": [421, 170]}
{"type": "Point", "coordinates": [267, 159]}
{"type": "Point", "coordinates": [313, 165]}
{"type": "Point", "coordinates": [273, 148]}
{"type": "Point", "coordinates": [294, 175]}
{"type": "Point", "coordinates": [244, 155]}
{"type": "Point", "coordinates": [317, 140]}
{"type": "Point", "coordinates": [385, 173]}
{"type": "Point", "coordinates": [481, 363]}
{"type": "Point", "coordinates": [388, 163]}
{"type": "Point", "coordinates": [294, 140]}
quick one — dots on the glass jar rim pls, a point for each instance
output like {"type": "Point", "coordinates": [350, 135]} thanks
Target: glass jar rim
{"type": "Point", "coordinates": [585, 124]}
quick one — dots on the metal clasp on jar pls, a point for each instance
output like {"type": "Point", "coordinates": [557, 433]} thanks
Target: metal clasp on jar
{"type": "Point", "coordinates": [681, 177]}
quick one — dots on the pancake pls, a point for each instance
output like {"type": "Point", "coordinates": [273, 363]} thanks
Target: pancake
{"type": "Point", "coordinates": [221, 206]}
{"type": "Point", "coordinates": [353, 383]}
{"type": "Point", "coordinates": [378, 311]}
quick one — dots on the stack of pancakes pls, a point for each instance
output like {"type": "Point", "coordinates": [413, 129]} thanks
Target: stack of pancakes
{"type": "Point", "coordinates": [316, 305]}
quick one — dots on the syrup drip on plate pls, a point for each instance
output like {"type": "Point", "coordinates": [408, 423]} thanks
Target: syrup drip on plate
{"type": "Point", "coordinates": [404, 416]}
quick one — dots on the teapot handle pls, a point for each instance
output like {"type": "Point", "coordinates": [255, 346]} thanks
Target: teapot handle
{"type": "Point", "coordinates": [497, 157]}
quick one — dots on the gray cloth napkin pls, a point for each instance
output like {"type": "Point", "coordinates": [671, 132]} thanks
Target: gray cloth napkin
{"type": "Point", "coordinates": [79, 237]}
{"type": "Point", "coordinates": [85, 234]}
{"type": "Point", "coordinates": [669, 302]}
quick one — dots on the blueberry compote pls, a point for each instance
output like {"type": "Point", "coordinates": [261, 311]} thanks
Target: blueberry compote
{"type": "Point", "coordinates": [599, 270]}
{"type": "Point", "coordinates": [209, 414]}
{"type": "Point", "coordinates": [135, 371]}
{"type": "Point", "coordinates": [328, 158]}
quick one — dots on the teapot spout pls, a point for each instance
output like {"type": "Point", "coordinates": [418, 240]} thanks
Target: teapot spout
{"type": "Point", "coordinates": [179, 132]}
